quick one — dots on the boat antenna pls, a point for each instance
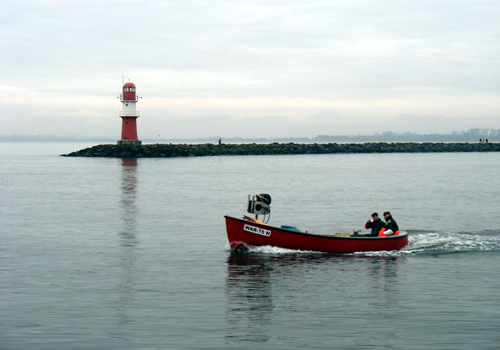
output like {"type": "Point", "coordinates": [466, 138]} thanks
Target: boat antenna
{"type": "Point", "coordinates": [268, 216]}
{"type": "Point", "coordinates": [264, 219]}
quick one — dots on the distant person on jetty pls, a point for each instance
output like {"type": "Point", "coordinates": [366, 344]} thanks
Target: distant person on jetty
{"type": "Point", "coordinates": [220, 140]}
{"type": "Point", "coordinates": [377, 225]}
{"type": "Point", "coordinates": [392, 228]}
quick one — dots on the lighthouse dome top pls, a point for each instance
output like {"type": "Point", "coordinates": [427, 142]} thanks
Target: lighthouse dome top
{"type": "Point", "coordinates": [129, 92]}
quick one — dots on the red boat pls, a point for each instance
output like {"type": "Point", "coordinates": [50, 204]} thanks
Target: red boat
{"type": "Point", "coordinates": [246, 233]}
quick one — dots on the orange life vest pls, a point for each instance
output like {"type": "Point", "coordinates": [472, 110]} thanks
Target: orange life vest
{"type": "Point", "coordinates": [381, 233]}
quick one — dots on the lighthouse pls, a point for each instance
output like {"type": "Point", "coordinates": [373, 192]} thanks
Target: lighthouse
{"type": "Point", "coordinates": [129, 116]}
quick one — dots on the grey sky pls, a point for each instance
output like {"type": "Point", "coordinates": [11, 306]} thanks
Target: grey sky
{"type": "Point", "coordinates": [250, 68]}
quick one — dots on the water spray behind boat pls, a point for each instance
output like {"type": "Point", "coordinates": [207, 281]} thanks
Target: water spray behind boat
{"type": "Point", "coordinates": [260, 204]}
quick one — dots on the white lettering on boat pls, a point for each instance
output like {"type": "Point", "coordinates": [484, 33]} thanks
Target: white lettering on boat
{"type": "Point", "coordinates": [257, 230]}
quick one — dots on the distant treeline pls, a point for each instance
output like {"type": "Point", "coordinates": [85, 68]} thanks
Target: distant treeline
{"type": "Point", "coordinates": [472, 135]}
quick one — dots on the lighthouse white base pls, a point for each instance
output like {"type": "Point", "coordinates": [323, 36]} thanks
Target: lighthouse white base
{"type": "Point", "coordinates": [128, 143]}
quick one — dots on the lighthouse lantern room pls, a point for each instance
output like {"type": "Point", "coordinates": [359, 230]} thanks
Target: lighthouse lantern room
{"type": "Point", "coordinates": [129, 116]}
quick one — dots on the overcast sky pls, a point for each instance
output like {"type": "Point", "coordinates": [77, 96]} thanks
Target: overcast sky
{"type": "Point", "coordinates": [250, 68]}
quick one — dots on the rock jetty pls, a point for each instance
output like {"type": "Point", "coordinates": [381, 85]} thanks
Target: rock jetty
{"type": "Point", "coordinates": [208, 149]}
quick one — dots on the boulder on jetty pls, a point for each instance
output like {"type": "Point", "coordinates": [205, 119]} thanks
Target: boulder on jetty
{"type": "Point", "coordinates": [207, 149]}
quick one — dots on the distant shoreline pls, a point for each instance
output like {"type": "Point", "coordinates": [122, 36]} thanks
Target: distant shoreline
{"type": "Point", "coordinates": [471, 135]}
{"type": "Point", "coordinates": [210, 149]}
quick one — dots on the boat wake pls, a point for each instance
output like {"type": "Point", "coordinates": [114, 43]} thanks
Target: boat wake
{"type": "Point", "coordinates": [419, 243]}
{"type": "Point", "coordinates": [267, 249]}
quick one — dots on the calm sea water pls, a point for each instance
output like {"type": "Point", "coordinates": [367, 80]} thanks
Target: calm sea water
{"type": "Point", "coordinates": [133, 254]}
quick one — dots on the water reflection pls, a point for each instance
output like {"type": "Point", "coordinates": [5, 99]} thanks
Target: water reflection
{"type": "Point", "coordinates": [384, 268]}
{"type": "Point", "coordinates": [384, 280]}
{"type": "Point", "coordinates": [128, 238]}
{"type": "Point", "coordinates": [249, 290]}
{"type": "Point", "coordinates": [249, 298]}
{"type": "Point", "coordinates": [263, 290]}
{"type": "Point", "coordinates": [127, 203]}
{"type": "Point", "coordinates": [383, 288]}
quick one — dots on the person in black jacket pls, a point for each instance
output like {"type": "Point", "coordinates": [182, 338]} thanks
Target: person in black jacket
{"type": "Point", "coordinates": [377, 225]}
{"type": "Point", "coordinates": [390, 224]}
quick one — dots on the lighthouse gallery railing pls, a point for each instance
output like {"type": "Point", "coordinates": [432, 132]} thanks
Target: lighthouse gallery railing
{"type": "Point", "coordinates": [129, 114]}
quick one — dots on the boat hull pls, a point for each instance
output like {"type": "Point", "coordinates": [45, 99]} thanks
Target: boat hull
{"type": "Point", "coordinates": [243, 233]}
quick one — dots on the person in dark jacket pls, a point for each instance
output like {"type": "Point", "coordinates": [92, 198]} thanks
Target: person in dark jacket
{"type": "Point", "coordinates": [392, 227]}
{"type": "Point", "coordinates": [377, 225]}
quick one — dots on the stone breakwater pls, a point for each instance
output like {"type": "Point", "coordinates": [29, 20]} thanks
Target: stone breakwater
{"type": "Point", "coordinates": [208, 149]}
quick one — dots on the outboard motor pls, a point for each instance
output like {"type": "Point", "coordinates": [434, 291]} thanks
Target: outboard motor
{"type": "Point", "coordinates": [259, 204]}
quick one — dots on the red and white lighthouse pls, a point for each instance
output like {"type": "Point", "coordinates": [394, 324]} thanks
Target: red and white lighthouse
{"type": "Point", "coordinates": [129, 115]}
